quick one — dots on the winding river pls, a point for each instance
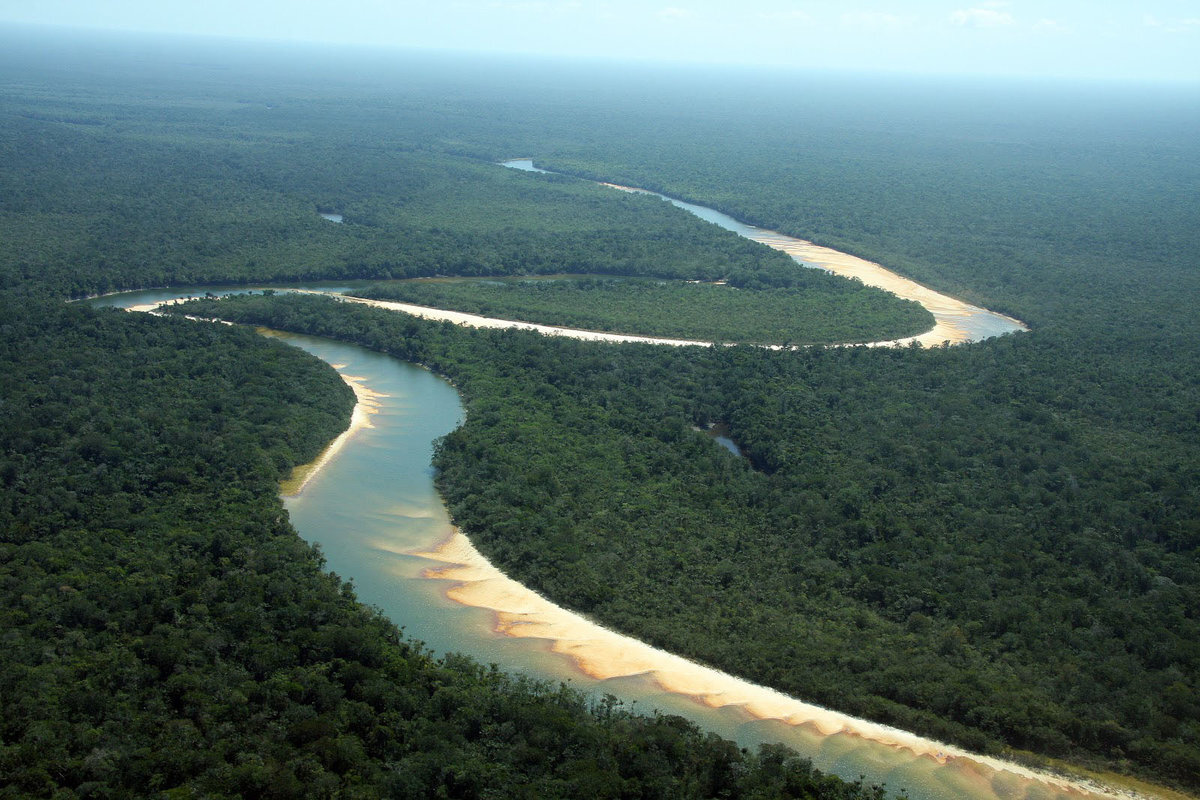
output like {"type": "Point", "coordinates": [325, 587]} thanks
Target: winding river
{"type": "Point", "coordinates": [372, 508]}
{"type": "Point", "coordinates": [955, 322]}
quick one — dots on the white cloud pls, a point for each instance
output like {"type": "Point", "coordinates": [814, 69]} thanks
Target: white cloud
{"type": "Point", "coordinates": [870, 19]}
{"type": "Point", "coordinates": [1172, 25]}
{"type": "Point", "coordinates": [1044, 25]}
{"type": "Point", "coordinates": [674, 13]}
{"type": "Point", "coordinates": [785, 16]}
{"type": "Point", "coordinates": [983, 17]}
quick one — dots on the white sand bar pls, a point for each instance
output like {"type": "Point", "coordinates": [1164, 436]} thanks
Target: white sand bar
{"type": "Point", "coordinates": [604, 654]}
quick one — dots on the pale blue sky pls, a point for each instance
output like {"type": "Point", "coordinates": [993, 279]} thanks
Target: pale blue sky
{"type": "Point", "coordinates": [1146, 39]}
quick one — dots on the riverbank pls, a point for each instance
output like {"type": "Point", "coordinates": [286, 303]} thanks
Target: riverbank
{"type": "Point", "coordinates": [955, 322]}
{"type": "Point", "coordinates": [478, 321]}
{"type": "Point", "coordinates": [949, 329]}
{"type": "Point", "coordinates": [516, 613]}
{"type": "Point", "coordinates": [367, 403]}
{"type": "Point", "coordinates": [602, 654]}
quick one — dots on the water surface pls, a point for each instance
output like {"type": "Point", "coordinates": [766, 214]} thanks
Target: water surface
{"type": "Point", "coordinates": [955, 322]}
{"type": "Point", "coordinates": [374, 507]}
{"type": "Point", "coordinates": [373, 510]}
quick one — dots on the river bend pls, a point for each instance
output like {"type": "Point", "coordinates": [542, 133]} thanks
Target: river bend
{"type": "Point", "coordinates": [372, 507]}
{"type": "Point", "coordinates": [955, 322]}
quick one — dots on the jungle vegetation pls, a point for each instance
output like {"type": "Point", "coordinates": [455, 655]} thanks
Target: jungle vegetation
{"type": "Point", "coordinates": [678, 310]}
{"type": "Point", "coordinates": [972, 563]}
{"type": "Point", "coordinates": [167, 634]}
{"type": "Point", "coordinates": [994, 543]}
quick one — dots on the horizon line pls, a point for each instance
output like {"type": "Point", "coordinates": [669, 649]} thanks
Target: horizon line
{"type": "Point", "coordinates": [377, 49]}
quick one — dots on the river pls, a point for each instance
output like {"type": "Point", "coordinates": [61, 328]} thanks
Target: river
{"type": "Point", "coordinates": [373, 510]}
{"type": "Point", "coordinates": [375, 513]}
{"type": "Point", "coordinates": [955, 321]}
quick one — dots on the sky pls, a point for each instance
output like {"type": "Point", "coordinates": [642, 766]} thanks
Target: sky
{"type": "Point", "coordinates": [1156, 40]}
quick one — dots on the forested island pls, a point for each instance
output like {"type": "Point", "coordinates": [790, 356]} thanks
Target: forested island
{"type": "Point", "coordinates": [994, 544]}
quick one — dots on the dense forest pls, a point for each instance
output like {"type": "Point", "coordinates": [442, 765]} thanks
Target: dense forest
{"type": "Point", "coordinates": [101, 211]}
{"type": "Point", "coordinates": [167, 634]}
{"type": "Point", "coordinates": [679, 310]}
{"type": "Point", "coordinates": [964, 565]}
{"type": "Point", "coordinates": [993, 543]}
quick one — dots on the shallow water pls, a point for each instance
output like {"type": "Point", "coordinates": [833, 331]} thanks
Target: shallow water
{"type": "Point", "coordinates": [955, 322]}
{"type": "Point", "coordinates": [373, 507]}
{"type": "Point", "coordinates": [373, 510]}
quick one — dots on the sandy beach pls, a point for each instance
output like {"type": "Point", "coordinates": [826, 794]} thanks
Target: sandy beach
{"type": "Point", "coordinates": [604, 654]}
{"type": "Point", "coordinates": [946, 329]}
{"type": "Point", "coordinates": [478, 321]}
{"type": "Point", "coordinates": [367, 403]}
{"type": "Point", "coordinates": [950, 315]}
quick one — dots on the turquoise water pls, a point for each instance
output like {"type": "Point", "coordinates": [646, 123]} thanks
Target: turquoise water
{"type": "Point", "coordinates": [374, 504]}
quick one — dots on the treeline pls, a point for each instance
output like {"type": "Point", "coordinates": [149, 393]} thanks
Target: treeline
{"type": "Point", "coordinates": [702, 311]}
{"type": "Point", "coordinates": [167, 634]}
{"type": "Point", "coordinates": [966, 541]}
{"type": "Point", "coordinates": [88, 211]}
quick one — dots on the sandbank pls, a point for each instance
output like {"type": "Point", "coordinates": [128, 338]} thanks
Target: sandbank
{"type": "Point", "coordinates": [604, 654]}
{"type": "Point", "coordinates": [951, 316]}
{"type": "Point", "coordinates": [478, 321]}
{"type": "Point", "coordinates": [948, 327]}
{"type": "Point", "coordinates": [366, 404]}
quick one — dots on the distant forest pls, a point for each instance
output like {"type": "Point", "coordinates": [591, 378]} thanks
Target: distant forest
{"type": "Point", "coordinates": [995, 544]}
